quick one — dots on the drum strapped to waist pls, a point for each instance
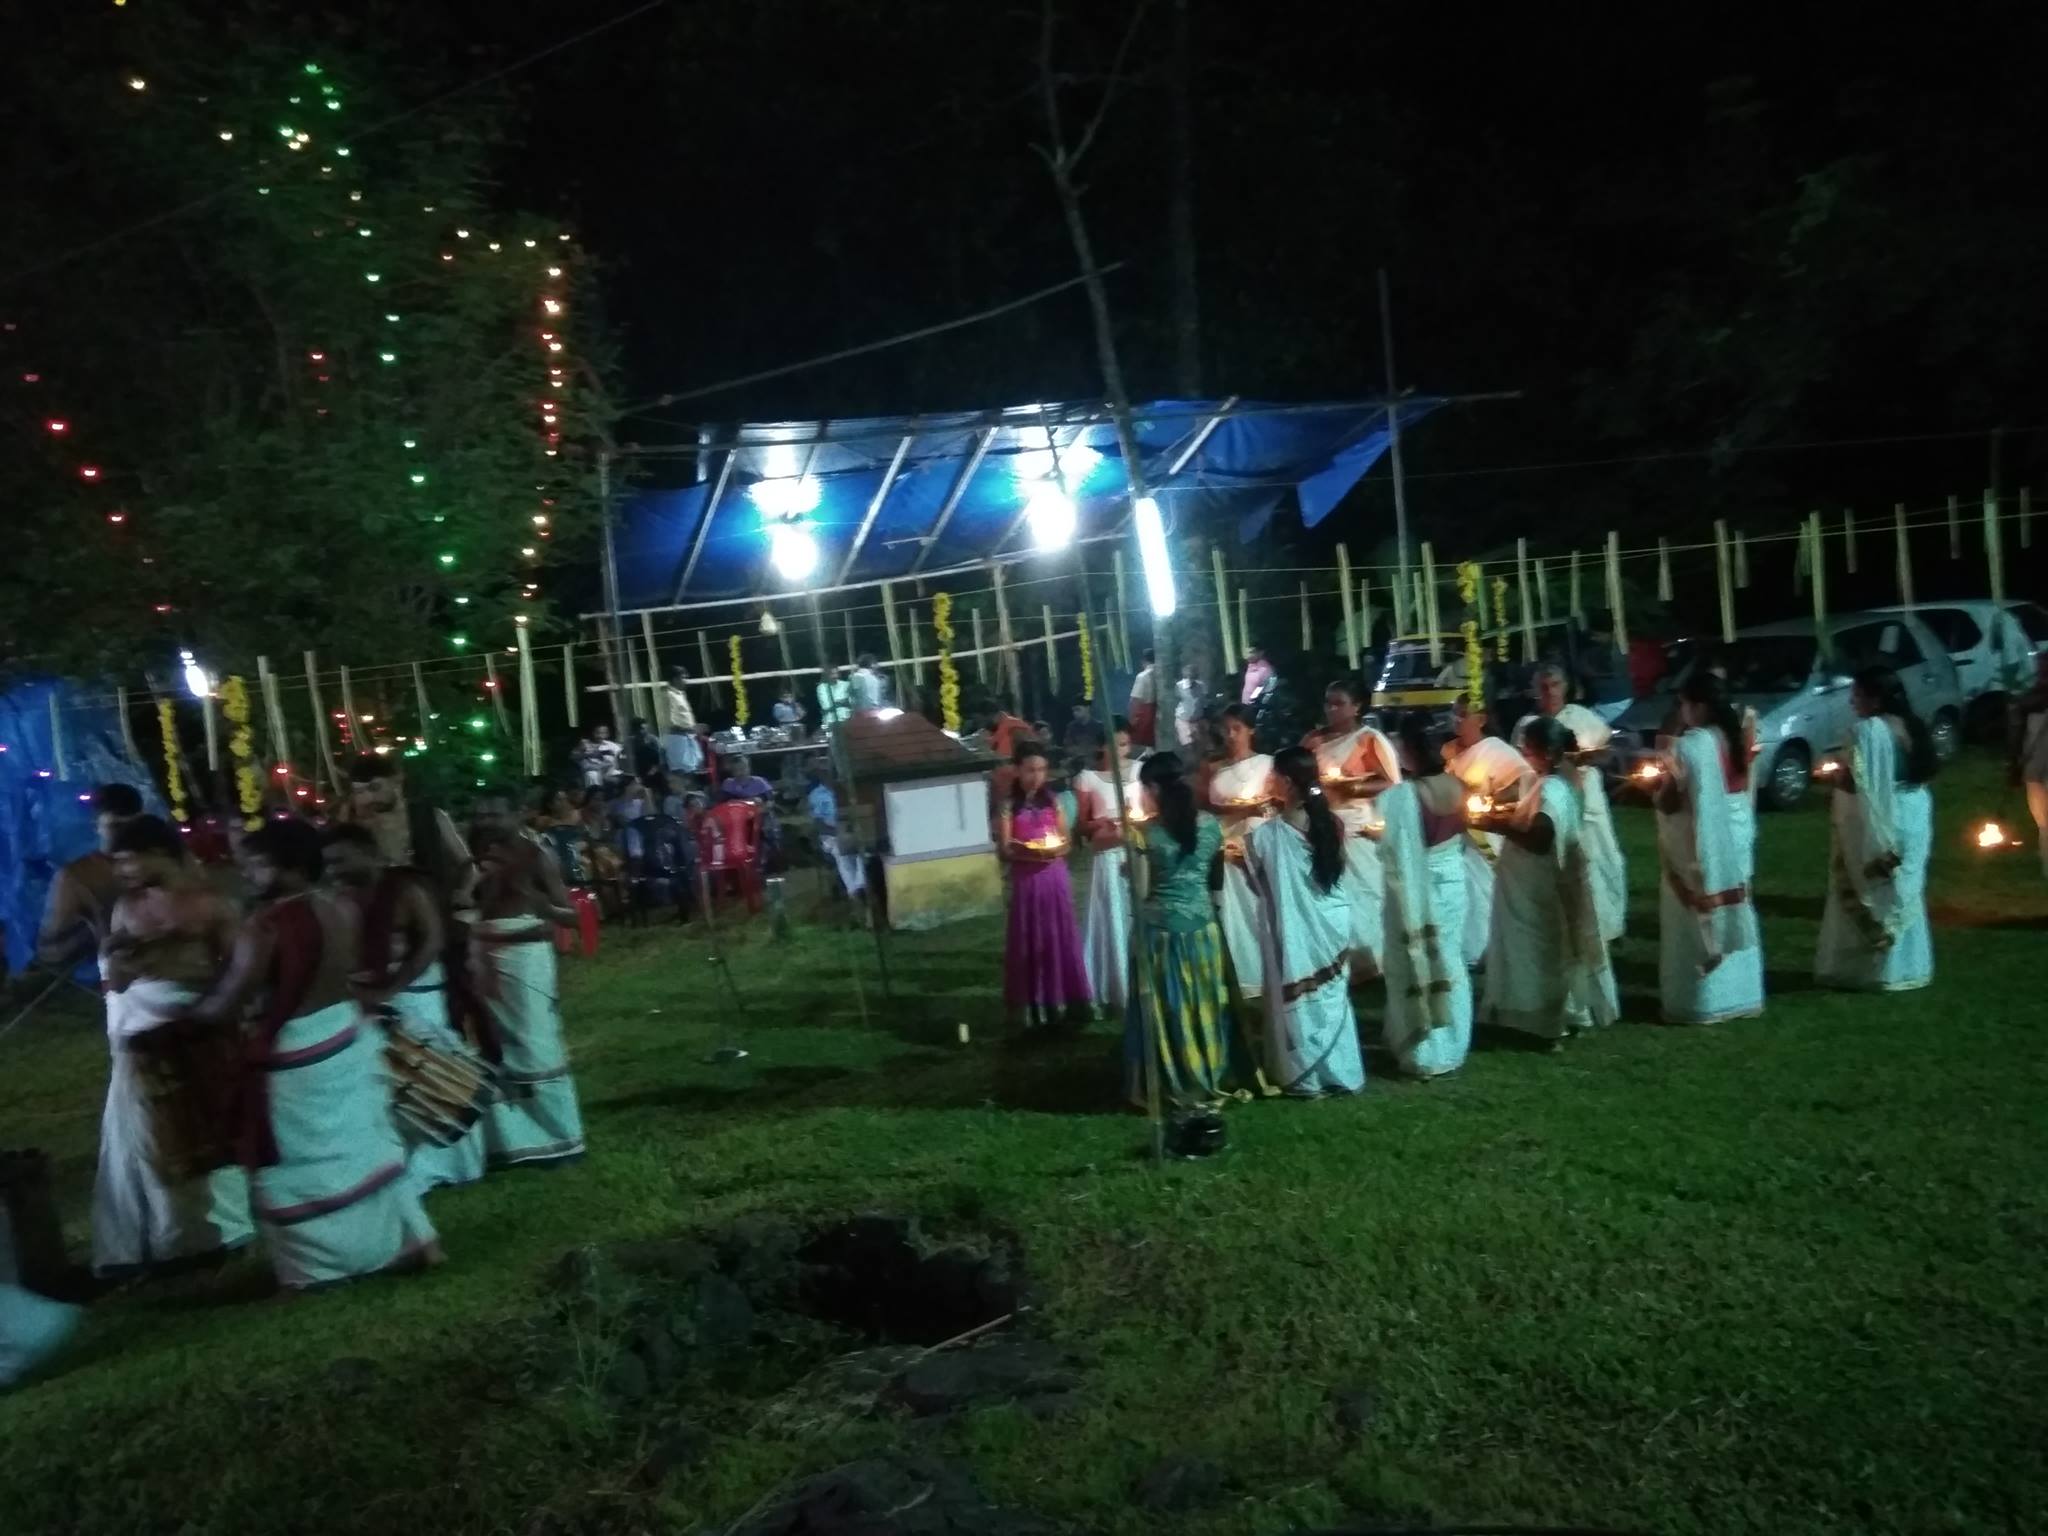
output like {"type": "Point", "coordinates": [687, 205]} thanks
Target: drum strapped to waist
{"type": "Point", "coordinates": [436, 1095]}
{"type": "Point", "coordinates": [190, 1077]}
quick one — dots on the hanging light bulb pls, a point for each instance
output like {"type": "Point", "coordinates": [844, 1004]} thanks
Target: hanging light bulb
{"type": "Point", "coordinates": [197, 683]}
{"type": "Point", "coordinates": [137, 83]}
{"type": "Point", "coordinates": [792, 550]}
{"type": "Point", "coordinates": [1052, 516]}
{"type": "Point", "coordinates": [227, 135]}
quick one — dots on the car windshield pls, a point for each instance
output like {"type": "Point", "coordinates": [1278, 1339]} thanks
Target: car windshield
{"type": "Point", "coordinates": [1408, 666]}
{"type": "Point", "coordinates": [2034, 620]}
{"type": "Point", "coordinates": [1765, 663]}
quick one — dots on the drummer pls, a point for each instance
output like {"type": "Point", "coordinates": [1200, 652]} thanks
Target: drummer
{"type": "Point", "coordinates": [168, 938]}
{"type": "Point", "coordinates": [401, 977]}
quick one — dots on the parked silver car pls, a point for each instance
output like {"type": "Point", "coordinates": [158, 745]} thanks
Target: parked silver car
{"type": "Point", "coordinates": [1801, 698]}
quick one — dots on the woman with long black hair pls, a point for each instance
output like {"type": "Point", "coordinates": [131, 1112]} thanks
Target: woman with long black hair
{"type": "Point", "coordinates": [1710, 963]}
{"type": "Point", "coordinates": [1296, 866]}
{"type": "Point", "coordinates": [1356, 762]}
{"type": "Point", "coordinates": [1180, 1016]}
{"type": "Point", "coordinates": [1423, 850]}
{"type": "Point", "coordinates": [1873, 931]}
{"type": "Point", "coordinates": [1241, 793]}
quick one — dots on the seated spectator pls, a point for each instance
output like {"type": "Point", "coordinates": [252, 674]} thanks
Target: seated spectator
{"type": "Point", "coordinates": [787, 711]}
{"type": "Point", "coordinates": [821, 801]}
{"type": "Point", "coordinates": [742, 783]}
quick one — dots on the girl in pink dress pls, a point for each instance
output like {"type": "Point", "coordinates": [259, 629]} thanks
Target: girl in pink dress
{"type": "Point", "coordinates": [1043, 970]}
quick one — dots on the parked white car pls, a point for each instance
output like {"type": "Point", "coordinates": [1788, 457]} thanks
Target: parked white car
{"type": "Point", "coordinates": [1801, 698]}
{"type": "Point", "coordinates": [1993, 646]}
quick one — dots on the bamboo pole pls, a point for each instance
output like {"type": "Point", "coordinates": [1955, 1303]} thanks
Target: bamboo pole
{"type": "Point", "coordinates": [894, 633]}
{"type": "Point", "coordinates": [1422, 605]}
{"type": "Point", "coordinates": [1398, 591]}
{"type": "Point", "coordinates": [711, 674]}
{"type": "Point", "coordinates": [497, 691]}
{"type": "Point", "coordinates": [1994, 547]}
{"type": "Point", "coordinates": [1365, 616]}
{"type": "Point", "coordinates": [57, 762]}
{"type": "Point", "coordinates": [128, 727]}
{"type": "Point", "coordinates": [1542, 591]}
{"type": "Point", "coordinates": [529, 705]}
{"type": "Point", "coordinates": [569, 685]}
{"type": "Point", "coordinates": [1903, 542]}
{"type": "Point", "coordinates": [846, 615]}
{"type": "Point", "coordinates": [419, 693]}
{"type": "Point", "coordinates": [320, 735]}
{"type": "Point", "coordinates": [1308, 634]}
{"type": "Point", "coordinates": [911, 627]}
{"type": "Point", "coordinates": [1617, 611]}
{"type": "Point", "coordinates": [1802, 556]}
{"type": "Point", "coordinates": [1123, 607]}
{"type": "Point", "coordinates": [782, 644]}
{"type": "Point", "coordinates": [614, 687]}
{"type": "Point", "coordinates": [1576, 592]}
{"type": "Point", "coordinates": [2026, 517]}
{"type": "Point", "coordinates": [1741, 559]}
{"type": "Point", "coordinates": [1522, 596]}
{"type": "Point", "coordinates": [348, 709]}
{"type": "Point", "coordinates": [980, 652]}
{"type": "Point", "coordinates": [1436, 639]}
{"type": "Point", "coordinates": [655, 712]}
{"type": "Point", "coordinates": [1849, 539]}
{"type": "Point", "coordinates": [1820, 582]}
{"type": "Point", "coordinates": [1223, 611]}
{"type": "Point", "coordinates": [1955, 530]}
{"type": "Point", "coordinates": [1244, 629]}
{"type": "Point", "coordinates": [1724, 579]}
{"type": "Point", "coordinates": [1663, 570]}
{"type": "Point", "coordinates": [1350, 609]}
{"type": "Point", "coordinates": [273, 716]}
{"type": "Point", "coordinates": [1012, 664]}
{"type": "Point", "coordinates": [1052, 655]}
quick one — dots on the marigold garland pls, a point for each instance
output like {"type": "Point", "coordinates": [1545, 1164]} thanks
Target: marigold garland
{"type": "Point", "coordinates": [174, 778]}
{"type": "Point", "coordinates": [949, 675]}
{"type": "Point", "coordinates": [1469, 577]}
{"type": "Point", "coordinates": [1087, 661]}
{"type": "Point", "coordinates": [1500, 616]}
{"type": "Point", "coordinates": [739, 682]}
{"type": "Point", "coordinates": [234, 703]}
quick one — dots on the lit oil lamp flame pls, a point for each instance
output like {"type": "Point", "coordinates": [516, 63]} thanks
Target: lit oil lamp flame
{"type": "Point", "coordinates": [1477, 805]}
{"type": "Point", "coordinates": [1828, 769]}
{"type": "Point", "coordinates": [1649, 770]}
{"type": "Point", "coordinates": [1992, 835]}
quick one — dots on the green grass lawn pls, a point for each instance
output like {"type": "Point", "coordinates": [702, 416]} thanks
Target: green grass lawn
{"type": "Point", "coordinates": [1777, 1276]}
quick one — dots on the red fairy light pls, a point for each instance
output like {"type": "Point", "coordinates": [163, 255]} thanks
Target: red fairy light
{"type": "Point", "coordinates": [58, 426]}
{"type": "Point", "coordinates": [88, 472]}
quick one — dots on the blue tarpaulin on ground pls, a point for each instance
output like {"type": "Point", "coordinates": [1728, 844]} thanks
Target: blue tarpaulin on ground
{"type": "Point", "coordinates": [961, 482]}
{"type": "Point", "coordinates": [46, 817]}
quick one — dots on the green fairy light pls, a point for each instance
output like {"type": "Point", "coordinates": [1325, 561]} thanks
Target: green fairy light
{"type": "Point", "coordinates": [334, 106]}
{"type": "Point", "coordinates": [458, 641]}
{"type": "Point", "coordinates": [416, 476]}
{"type": "Point", "coordinates": [343, 153]}
{"type": "Point", "coordinates": [312, 69]}
{"type": "Point", "coordinates": [326, 90]}
{"type": "Point", "coordinates": [487, 757]}
{"type": "Point", "coordinates": [478, 723]}
{"type": "Point", "coordinates": [387, 357]}
{"type": "Point", "coordinates": [373, 277]}
{"type": "Point", "coordinates": [413, 442]}
{"type": "Point", "coordinates": [393, 320]}
{"type": "Point", "coordinates": [462, 602]}
{"type": "Point", "coordinates": [446, 558]}
{"type": "Point", "coordinates": [286, 131]}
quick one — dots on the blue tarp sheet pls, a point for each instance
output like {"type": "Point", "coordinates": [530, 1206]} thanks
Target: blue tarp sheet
{"type": "Point", "coordinates": [47, 821]}
{"type": "Point", "coordinates": [1252, 463]}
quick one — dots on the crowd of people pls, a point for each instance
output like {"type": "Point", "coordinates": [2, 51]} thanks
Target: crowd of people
{"type": "Point", "coordinates": [1478, 874]}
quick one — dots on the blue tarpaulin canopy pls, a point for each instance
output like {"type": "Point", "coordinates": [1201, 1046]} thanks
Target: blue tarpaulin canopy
{"type": "Point", "coordinates": [891, 497]}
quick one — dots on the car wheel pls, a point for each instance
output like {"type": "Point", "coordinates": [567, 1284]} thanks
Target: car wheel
{"type": "Point", "coordinates": [1947, 732]}
{"type": "Point", "coordinates": [1791, 773]}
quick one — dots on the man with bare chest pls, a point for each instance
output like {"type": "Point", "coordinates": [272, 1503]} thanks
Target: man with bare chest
{"type": "Point", "coordinates": [168, 936]}
{"type": "Point", "coordinates": [82, 897]}
{"type": "Point", "coordinates": [326, 1166]}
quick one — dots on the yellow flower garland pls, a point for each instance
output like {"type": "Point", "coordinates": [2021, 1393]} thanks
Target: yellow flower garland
{"type": "Point", "coordinates": [234, 703]}
{"type": "Point", "coordinates": [174, 778]}
{"type": "Point", "coordinates": [1469, 577]}
{"type": "Point", "coordinates": [949, 675]}
{"type": "Point", "coordinates": [1087, 661]}
{"type": "Point", "coordinates": [739, 684]}
{"type": "Point", "coordinates": [1500, 616]}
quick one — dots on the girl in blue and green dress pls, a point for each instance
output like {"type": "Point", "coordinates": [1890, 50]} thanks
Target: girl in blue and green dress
{"type": "Point", "coordinates": [1181, 1014]}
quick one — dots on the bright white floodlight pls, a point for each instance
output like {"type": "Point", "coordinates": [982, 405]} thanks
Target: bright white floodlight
{"type": "Point", "coordinates": [1152, 551]}
{"type": "Point", "coordinates": [1052, 517]}
{"type": "Point", "coordinates": [197, 683]}
{"type": "Point", "coordinates": [792, 550]}
{"type": "Point", "coordinates": [785, 498]}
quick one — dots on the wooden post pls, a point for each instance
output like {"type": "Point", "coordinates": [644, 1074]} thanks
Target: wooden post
{"type": "Point", "coordinates": [273, 714]}
{"type": "Point", "coordinates": [711, 674]}
{"type": "Point", "coordinates": [846, 617]}
{"type": "Point", "coordinates": [1904, 543]}
{"type": "Point", "coordinates": [1424, 604]}
{"type": "Point", "coordinates": [1052, 655]}
{"type": "Point", "coordinates": [614, 685]}
{"type": "Point", "coordinates": [910, 632]}
{"type": "Point", "coordinates": [497, 690]}
{"type": "Point", "coordinates": [1955, 531]}
{"type": "Point", "coordinates": [1663, 570]}
{"type": "Point", "coordinates": [1308, 634]}
{"type": "Point", "coordinates": [1617, 611]}
{"type": "Point", "coordinates": [320, 735]}
{"type": "Point", "coordinates": [1994, 547]}
{"type": "Point", "coordinates": [1398, 589]}
{"type": "Point", "coordinates": [895, 635]}
{"type": "Point", "coordinates": [2026, 517]}
{"type": "Point", "coordinates": [1802, 556]}
{"type": "Point", "coordinates": [1436, 639]}
{"type": "Point", "coordinates": [1244, 629]}
{"type": "Point", "coordinates": [1849, 539]}
{"type": "Point", "coordinates": [529, 705]}
{"type": "Point", "coordinates": [1820, 580]}
{"type": "Point", "coordinates": [980, 651]}
{"type": "Point", "coordinates": [1741, 559]}
{"type": "Point", "coordinates": [1350, 609]}
{"type": "Point", "coordinates": [1365, 617]}
{"type": "Point", "coordinates": [57, 739]}
{"type": "Point", "coordinates": [1223, 612]}
{"type": "Point", "coordinates": [1522, 599]}
{"type": "Point", "coordinates": [569, 698]}
{"type": "Point", "coordinates": [1724, 579]}
{"type": "Point", "coordinates": [348, 709]}
{"type": "Point", "coordinates": [1004, 638]}
{"type": "Point", "coordinates": [656, 714]}
{"type": "Point", "coordinates": [1576, 592]}
{"type": "Point", "coordinates": [1123, 608]}
{"type": "Point", "coordinates": [1542, 591]}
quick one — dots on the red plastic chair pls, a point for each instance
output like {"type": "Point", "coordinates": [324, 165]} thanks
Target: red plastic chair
{"type": "Point", "coordinates": [728, 849]}
{"type": "Point", "coordinates": [583, 935]}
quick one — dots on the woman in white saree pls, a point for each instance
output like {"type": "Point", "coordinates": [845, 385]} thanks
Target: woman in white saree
{"type": "Point", "coordinates": [1873, 931]}
{"type": "Point", "coordinates": [1295, 863]}
{"type": "Point", "coordinates": [1710, 964]}
{"type": "Point", "coordinates": [1356, 762]}
{"type": "Point", "coordinates": [1423, 850]}
{"type": "Point", "coordinates": [1546, 970]}
{"type": "Point", "coordinates": [1241, 794]}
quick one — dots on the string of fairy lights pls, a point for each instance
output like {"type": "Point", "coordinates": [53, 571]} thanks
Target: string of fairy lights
{"type": "Point", "coordinates": [403, 253]}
